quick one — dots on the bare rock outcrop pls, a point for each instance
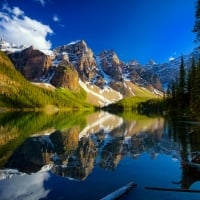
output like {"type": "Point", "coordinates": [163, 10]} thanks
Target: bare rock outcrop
{"type": "Point", "coordinates": [81, 57]}
{"type": "Point", "coordinates": [66, 76]}
{"type": "Point", "coordinates": [32, 63]}
{"type": "Point", "coordinates": [111, 64]}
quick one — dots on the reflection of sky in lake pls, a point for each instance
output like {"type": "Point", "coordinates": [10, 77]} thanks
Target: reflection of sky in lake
{"type": "Point", "coordinates": [108, 153]}
{"type": "Point", "coordinates": [24, 187]}
{"type": "Point", "coordinates": [145, 171]}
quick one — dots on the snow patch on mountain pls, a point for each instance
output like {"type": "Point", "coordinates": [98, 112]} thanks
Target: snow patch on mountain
{"type": "Point", "coordinates": [74, 42]}
{"type": "Point", "coordinates": [107, 139]}
{"type": "Point", "coordinates": [105, 96]}
{"type": "Point", "coordinates": [101, 122]}
{"type": "Point", "coordinates": [103, 99]}
{"type": "Point", "coordinates": [171, 58]}
{"type": "Point", "coordinates": [106, 77]}
{"type": "Point", "coordinates": [6, 46]}
{"type": "Point", "coordinates": [157, 92]}
{"type": "Point", "coordinates": [102, 76]}
{"type": "Point", "coordinates": [47, 52]}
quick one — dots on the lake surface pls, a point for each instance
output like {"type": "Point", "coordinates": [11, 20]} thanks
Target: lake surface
{"type": "Point", "coordinates": [87, 156]}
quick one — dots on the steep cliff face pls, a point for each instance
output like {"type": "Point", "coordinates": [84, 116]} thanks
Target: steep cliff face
{"type": "Point", "coordinates": [144, 77]}
{"type": "Point", "coordinates": [167, 72]}
{"type": "Point", "coordinates": [66, 76]}
{"type": "Point", "coordinates": [32, 63]}
{"type": "Point", "coordinates": [111, 64]}
{"type": "Point", "coordinates": [104, 70]}
{"type": "Point", "coordinates": [112, 68]}
{"type": "Point", "coordinates": [81, 57]}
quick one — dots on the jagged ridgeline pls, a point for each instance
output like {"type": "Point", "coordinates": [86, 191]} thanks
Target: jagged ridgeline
{"type": "Point", "coordinates": [17, 92]}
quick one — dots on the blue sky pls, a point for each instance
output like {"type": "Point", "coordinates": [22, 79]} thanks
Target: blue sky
{"type": "Point", "coordinates": [135, 29]}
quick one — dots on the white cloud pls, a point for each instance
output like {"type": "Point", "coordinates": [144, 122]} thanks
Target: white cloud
{"type": "Point", "coordinates": [43, 2]}
{"type": "Point", "coordinates": [17, 28]}
{"type": "Point", "coordinates": [56, 18]}
{"type": "Point", "coordinates": [17, 11]}
{"type": "Point", "coordinates": [6, 7]}
{"type": "Point", "coordinates": [19, 189]}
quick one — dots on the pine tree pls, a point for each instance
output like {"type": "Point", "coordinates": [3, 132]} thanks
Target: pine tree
{"type": "Point", "coordinates": [174, 89]}
{"type": "Point", "coordinates": [196, 107]}
{"type": "Point", "coordinates": [192, 78]}
{"type": "Point", "coordinates": [181, 86]}
{"type": "Point", "coordinates": [190, 84]}
{"type": "Point", "coordinates": [182, 77]}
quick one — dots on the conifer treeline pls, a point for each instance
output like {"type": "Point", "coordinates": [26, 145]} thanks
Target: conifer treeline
{"type": "Point", "coordinates": [183, 95]}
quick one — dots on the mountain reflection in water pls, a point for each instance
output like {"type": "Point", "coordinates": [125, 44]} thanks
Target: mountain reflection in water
{"type": "Point", "coordinates": [75, 146]}
{"type": "Point", "coordinates": [73, 152]}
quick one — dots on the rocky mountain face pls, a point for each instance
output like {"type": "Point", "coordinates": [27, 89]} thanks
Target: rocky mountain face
{"type": "Point", "coordinates": [102, 70]}
{"type": "Point", "coordinates": [74, 65]}
{"type": "Point", "coordinates": [142, 76]}
{"type": "Point", "coordinates": [67, 77]}
{"type": "Point", "coordinates": [81, 57]}
{"type": "Point", "coordinates": [166, 71]}
{"type": "Point", "coordinates": [111, 65]}
{"type": "Point", "coordinates": [169, 71]}
{"type": "Point", "coordinates": [111, 68]}
{"type": "Point", "coordinates": [32, 63]}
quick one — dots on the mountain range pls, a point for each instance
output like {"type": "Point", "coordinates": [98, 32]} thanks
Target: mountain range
{"type": "Point", "coordinates": [104, 77]}
{"type": "Point", "coordinates": [169, 71]}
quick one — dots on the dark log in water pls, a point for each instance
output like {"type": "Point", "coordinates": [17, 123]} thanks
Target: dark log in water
{"type": "Point", "coordinates": [119, 192]}
{"type": "Point", "coordinates": [171, 189]}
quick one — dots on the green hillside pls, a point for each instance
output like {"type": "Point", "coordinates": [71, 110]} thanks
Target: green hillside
{"type": "Point", "coordinates": [131, 103]}
{"type": "Point", "coordinates": [17, 92]}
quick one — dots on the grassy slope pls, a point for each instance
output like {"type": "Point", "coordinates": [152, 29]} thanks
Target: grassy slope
{"type": "Point", "coordinates": [141, 92]}
{"type": "Point", "coordinates": [17, 92]}
{"type": "Point", "coordinates": [141, 95]}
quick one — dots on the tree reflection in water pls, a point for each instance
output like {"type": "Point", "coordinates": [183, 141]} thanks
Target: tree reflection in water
{"type": "Point", "coordinates": [103, 140]}
{"type": "Point", "coordinates": [74, 152]}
